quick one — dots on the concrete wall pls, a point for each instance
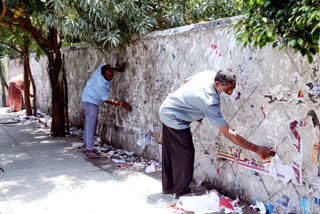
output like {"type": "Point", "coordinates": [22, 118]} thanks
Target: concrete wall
{"type": "Point", "coordinates": [275, 92]}
{"type": "Point", "coordinates": [15, 67]}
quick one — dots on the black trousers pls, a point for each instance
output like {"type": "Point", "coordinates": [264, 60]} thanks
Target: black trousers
{"type": "Point", "coordinates": [177, 160]}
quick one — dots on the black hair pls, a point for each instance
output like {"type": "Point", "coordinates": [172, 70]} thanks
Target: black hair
{"type": "Point", "coordinates": [105, 68]}
{"type": "Point", "coordinates": [225, 76]}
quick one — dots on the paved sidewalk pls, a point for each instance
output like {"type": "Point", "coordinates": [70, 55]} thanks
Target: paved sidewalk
{"type": "Point", "coordinates": [48, 175]}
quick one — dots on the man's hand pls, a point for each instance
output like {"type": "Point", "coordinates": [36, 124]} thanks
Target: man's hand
{"type": "Point", "coordinates": [122, 67]}
{"type": "Point", "coordinates": [126, 106]}
{"type": "Point", "coordinates": [263, 151]}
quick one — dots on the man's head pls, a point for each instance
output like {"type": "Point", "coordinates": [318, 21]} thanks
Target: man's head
{"type": "Point", "coordinates": [107, 72]}
{"type": "Point", "coordinates": [225, 81]}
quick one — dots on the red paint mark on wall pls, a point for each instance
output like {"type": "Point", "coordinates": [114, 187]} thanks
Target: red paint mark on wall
{"type": "Point", "coordinates": [296, 134]}
{"type": "Point", "coordinates": [264, 114]}
{"type": "Point", "coordinates": [208, 46]}
{"type": "Point", "coordinates": [294, 131]}
{"type": "Point", "coordinates": [297, 173]}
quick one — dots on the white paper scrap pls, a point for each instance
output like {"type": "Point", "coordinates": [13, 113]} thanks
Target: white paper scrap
{"type": "Point", "coordinates": [77, 145]}
{"type": "Point", "coordinates": [199, 204]}
{"type": "Point", "coordinates": [118, 161]}
{"type": "Point", "coordinates": [150, 168]}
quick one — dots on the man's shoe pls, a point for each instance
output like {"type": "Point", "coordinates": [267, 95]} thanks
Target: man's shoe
{"type": "Point", "coordinates": [184, 193]}
{"type": "Point", "coordinates": [167, 192]}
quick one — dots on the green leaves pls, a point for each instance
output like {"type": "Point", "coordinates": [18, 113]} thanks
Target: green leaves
{"type": "Point", "coordinates": [110, 24]}
{"type": "Point", "coordinates": [293, 43]}
{"type": "Point", "coordinates": [300, 41]}
{"type": "Point", "coordinates": [238, 40]}
{"type": "Point", "coordinates": [266, 3]}
{"type": "Point", "coordinates": [296, 24]}
{"type": "Point", "coordinates": [310, 58]}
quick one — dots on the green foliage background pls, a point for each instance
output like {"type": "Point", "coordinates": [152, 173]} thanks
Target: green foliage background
{"type": "Point", "coordinates": [282, 23]}
{"type": "Point", "coordinates": [112, 24]}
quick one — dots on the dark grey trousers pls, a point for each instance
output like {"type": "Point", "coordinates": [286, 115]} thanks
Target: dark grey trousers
{"type": "Point", "coordinates": [90, 123]}
{"type": "Point", "coordinates": [177, 160]}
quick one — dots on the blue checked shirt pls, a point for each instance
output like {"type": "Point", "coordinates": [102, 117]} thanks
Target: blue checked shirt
{"type": "Point", "coordinates": [193, 101]}
{"type": "Point", "coordinates": [97, 88]}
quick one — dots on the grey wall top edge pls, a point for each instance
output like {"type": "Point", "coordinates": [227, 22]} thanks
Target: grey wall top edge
{"type": "Point", "coordinates": [174, 31]}
{"type": "Point", "coordinates": [193, 27]}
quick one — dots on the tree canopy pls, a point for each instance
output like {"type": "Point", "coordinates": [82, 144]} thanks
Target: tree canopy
{"type": "Point", "coordinates": [113, 24]}
{"type": "Point", "coordinates": [283, 23]}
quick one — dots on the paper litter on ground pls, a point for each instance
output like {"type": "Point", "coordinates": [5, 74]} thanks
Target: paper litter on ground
{"type": "Point", "coordinates": [210, 202]}
{"type": "Point", "coordinates": [77, 145]}
{"type": "Point", "coordinates": [118, 161]}
{"type": "Point", "coordinates": [259, 207]}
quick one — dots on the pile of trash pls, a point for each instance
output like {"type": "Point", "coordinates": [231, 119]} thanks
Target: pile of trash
{"type": "Point", "coordinates": [211, 202]}
{"type": "Point", "coordinates": [75, 132]}
{"type": "Point", "coordinates": [122, 158]}
{"type": "Point", "coordinates": [41, 121]}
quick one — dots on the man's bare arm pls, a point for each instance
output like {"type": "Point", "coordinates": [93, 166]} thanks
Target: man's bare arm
{"type": "Point", "coordinates": [263, 151]}
{"type": "Point", "coordinates": [117, 103]}
{"type": "Point", "coordinates": [119, 69]}
{"type": "Point", "coordinates": [113, 102]}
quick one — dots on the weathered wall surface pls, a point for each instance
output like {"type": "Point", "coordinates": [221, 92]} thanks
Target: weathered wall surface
{"type": "Point", "coordinates": [15, 67]}
{"type": "Point", "coordinates": [41, 78]}
{"type": "Point", "coordinates": [275, 91]}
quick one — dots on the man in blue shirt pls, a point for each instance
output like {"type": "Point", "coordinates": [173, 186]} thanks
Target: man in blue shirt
{"type": "Point", "coordinates": [199, 97]}
{"type": "Point", "coordinates": [95, 92]}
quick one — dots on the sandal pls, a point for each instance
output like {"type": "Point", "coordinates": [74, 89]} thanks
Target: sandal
{"type": "Point", "coordinates": [84, 149]}
{"type": "Point", "coordinates": [92, 155]}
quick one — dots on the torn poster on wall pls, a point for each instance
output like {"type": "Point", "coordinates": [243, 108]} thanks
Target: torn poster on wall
{"type": "Point", "coordinates": [315, 161]}
{"type": "Point", "coordinates": [263, 168]}
{"type": "Point", "coordinates": [273, 165]}
{"type": "Point", "coordinates": [297, 145]}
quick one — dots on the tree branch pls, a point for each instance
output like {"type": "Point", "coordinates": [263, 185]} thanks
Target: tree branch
{"type": "Point", "coordinates": [4, 8]}
{"type": "Point", "coordinates": [11, 46]}
{"type": "Point", "coordinates": [36, 34]}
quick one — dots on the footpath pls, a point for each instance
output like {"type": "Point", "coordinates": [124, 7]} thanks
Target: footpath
{"type": "Point", "coordinates": [46, 175]}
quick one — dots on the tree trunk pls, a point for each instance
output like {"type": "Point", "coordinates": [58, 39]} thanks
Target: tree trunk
{"type": "Point", "coordinates": [4, 87]}
{"type": "Point", "coordinates": [56, 80]}
{"type": "Point", "coordinates": [65, 83]}
{"type": "Point", "coordinates": [34, 91]}
{"type": "Point", "coordinates": [4, 103]}
{"type": "Point", "coordinates": [26, 83]}
{"type": "Point", "coordinates": [34, 88]}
